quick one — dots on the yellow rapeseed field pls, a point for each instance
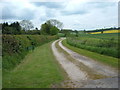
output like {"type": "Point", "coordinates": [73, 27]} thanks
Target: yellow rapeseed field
{"type": "Point", "coordinates": [112, 31]}
{"type": "Point", "coordinates": [108, 31]}
{"type": "Point", "coordinates": [95, 33]}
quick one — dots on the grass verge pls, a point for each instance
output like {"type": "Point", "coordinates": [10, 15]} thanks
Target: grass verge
{"type": "Point", "coordinates": [102, 58]}
{"type": "Point", "coordinates": [39, 69]}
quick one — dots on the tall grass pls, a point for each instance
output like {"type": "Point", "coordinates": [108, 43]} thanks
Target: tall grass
{"type": "Point", "coordinates": [100, 44]}
{"type": "Point", "coordinates": [15, 47]}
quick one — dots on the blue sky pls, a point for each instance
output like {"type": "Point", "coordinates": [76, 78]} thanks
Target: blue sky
{"type": "Point", "coordinates": [75, 14]}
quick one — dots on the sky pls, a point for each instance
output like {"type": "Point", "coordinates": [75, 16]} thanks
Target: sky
{"type": "Point", "coordinates": [74, 14]}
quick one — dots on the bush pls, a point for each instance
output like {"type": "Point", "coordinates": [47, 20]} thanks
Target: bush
{"type": "Point", "coordinates": [54, 30]}
{"type": "Point", "coordinates": [15, 47]}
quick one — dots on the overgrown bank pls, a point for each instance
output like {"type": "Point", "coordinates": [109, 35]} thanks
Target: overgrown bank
{"type": "Point", "coordinates": [15, 47]}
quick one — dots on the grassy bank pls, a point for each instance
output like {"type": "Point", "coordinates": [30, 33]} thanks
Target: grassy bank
{"type": "Point", "coordinates": [39, 69]}
{"type": "Point", "coordinates": [15, 47]}
{"type": "Point", "coordinates": [102, 58]}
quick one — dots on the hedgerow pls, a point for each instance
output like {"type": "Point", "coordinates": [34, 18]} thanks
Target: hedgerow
{"type": "Point", "coordinates": [15, 47]}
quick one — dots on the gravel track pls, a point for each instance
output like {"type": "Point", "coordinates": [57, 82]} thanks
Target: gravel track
{"type": "Point", "coordinates": [80, 78]}
{"type": "Point", "coordinates": [94, 65]}
{"type": "Point", "coordinates": [74, 73]}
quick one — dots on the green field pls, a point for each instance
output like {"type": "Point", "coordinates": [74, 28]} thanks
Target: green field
{"type": "Point", "coordinates": [102, 36]}
{"type": "Point", "coordinates": [105, 44]}
{"type": "Point", "coordinates": [101, 58]}
{"type": "Point", "coordinates": [39, 69]}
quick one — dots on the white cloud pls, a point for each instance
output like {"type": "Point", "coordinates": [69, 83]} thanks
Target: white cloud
{"type": "Point", "coordinates": [75, 14]}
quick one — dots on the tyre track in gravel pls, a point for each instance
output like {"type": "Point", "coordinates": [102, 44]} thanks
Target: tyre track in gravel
{"type": "Point", "coordinates": [81, 68]}
{"type": "Point", "coordinates": [74, 73]}
{"type": "Point", "coordinates": [92, 64]}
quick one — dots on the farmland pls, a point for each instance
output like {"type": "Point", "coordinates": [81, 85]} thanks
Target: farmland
{"type": "Point", "coordinates": [33, 64]}
{"type": "Point", "coordinates": [106, 44]}
{"type": "Point", "coordinates": [68, 44]}
{"type": "Point", "coordinates": [107, 31]}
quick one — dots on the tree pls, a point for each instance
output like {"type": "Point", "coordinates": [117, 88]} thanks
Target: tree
{"type": "Point", "coordinates": [17, 27]}
{"type": "Point", "coordinates": [36, 28]}
{"type": "Point", "coordinates": [13, 28]}
{"type": "Point", "coordinates": [54, 30]}
{"type": "Point", "coordinates": [9, 30]}
{"type": "Point", "coordinates": [76, 33]}
{"type": "Point", "coordinates": [26, 25]}
{"type": "Point", "coordinates": [45, 29]}
{"type": "Point", "coordinates": [84, 31]}
{"type": "Point", "coordinates": [101, 31]}
{"type": "Point", "coordinates": [3, 27]}
{"type": "Point", "coordinates": [54, 22]}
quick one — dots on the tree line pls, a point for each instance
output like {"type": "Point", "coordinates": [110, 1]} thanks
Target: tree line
{"type": "Point", "coordinates": [50, 27]}
{"type": "Point", "coordinates": [105, 29]}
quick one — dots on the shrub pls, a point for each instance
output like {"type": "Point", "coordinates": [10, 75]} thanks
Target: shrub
{"type": "Point", "coordinates": [54, 30]}
{"type": "Point", "coordinates": [15, 47]}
